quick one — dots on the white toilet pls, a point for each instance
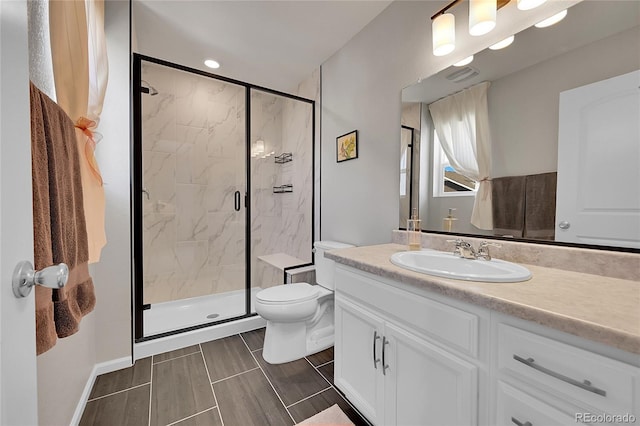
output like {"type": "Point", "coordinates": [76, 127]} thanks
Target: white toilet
{"type": "Point", "coordinates": [299, 316]}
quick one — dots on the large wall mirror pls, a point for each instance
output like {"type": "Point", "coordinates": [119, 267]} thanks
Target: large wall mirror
{"type": "Point", "coordinates": [563, 107]}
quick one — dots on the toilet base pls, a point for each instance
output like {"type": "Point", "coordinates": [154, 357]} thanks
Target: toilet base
{"type": "Point", "coordinates": [286, 342]}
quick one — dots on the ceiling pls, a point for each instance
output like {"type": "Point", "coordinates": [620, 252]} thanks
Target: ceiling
{"type": "Point", "coordinates": [586, 22]}
{"type": "Point", "coordinates": [274, 44]}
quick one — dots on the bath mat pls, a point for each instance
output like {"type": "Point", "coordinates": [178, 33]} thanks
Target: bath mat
{"type": "Point", "coordinates": [332, 416]}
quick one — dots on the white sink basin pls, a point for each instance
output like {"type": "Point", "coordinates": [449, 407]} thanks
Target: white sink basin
{"type": "Point", "coordinates": [447, 265]}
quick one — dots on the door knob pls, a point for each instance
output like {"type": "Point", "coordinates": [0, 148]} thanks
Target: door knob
{"type": "Point", "coordinates": [25, 277]}
{"type": "Point", "coordinates": [564, 225]}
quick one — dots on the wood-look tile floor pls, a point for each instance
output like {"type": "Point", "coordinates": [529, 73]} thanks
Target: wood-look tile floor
{"type": "Point", "coordinates": [223, 382]}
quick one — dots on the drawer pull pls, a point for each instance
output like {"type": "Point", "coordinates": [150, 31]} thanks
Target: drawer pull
{"type": "Point", "coordinates": [586, 384]}
{"type": "Point", "coordinates": [375, 360]}
{"type": "Point", "coordinates": [385, 342]}
{"type": "Point", "coordinates": [519, 423]}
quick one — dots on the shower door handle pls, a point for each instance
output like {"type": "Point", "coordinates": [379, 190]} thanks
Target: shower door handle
{"type": "Point", "coordinates": [237, 201]}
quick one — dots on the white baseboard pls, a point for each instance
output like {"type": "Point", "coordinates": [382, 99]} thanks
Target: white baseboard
{"type": "Point", "coordinates": [177, 341]}
{"type": "Point", "coordinates": [98, 369]}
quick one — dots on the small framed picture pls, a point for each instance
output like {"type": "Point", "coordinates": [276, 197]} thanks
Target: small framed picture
{"type": "Point", "coordinates": [347, 146]}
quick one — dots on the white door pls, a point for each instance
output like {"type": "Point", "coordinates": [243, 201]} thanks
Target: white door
{"type": "Point", "coordinates": [358, 363]}
{"type": "Point", "coordinates": [426, 385]}
{"type": "Point", "coordinates": [598, 198]}
{"type": "Point", "coordinates": [18, 380]}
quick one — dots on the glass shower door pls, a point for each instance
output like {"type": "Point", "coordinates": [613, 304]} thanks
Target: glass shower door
{"type": "Point", "coordinates": [194, 179]}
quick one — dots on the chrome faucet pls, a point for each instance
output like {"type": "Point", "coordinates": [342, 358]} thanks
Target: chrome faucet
{"type": "Point", "coordinates": [465, 250]}
{"type": "Point", "coordinates": [483, 250]}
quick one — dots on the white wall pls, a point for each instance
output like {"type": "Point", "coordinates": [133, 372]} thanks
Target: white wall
{"type": "Point", "coordinates": [112, 275]}
{"type": "Point", "coordinates": [361, 87]}
{"type": "Point", "coordinates": [523, 106]}
{"type": "Point", "coordinates": [63, 372]}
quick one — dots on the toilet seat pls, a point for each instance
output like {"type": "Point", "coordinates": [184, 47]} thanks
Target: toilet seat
{"type": "Point", "coordinates": [287, 293]}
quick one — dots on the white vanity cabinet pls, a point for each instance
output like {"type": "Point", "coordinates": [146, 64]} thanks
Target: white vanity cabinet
{"type": "Point", "coordinates": [542, 380]}
{"type": "Point", "coordinates": [404, 359]}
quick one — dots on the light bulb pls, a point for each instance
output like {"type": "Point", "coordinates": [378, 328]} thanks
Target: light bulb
{"type": "Point", "coordinates": [529, 4]}
{"type": "Point", "coordinates": [464, 62]}
{"type": "Point", "coordinates": [552, 20]}
{"type": "Point", "coordinates": [212, 64]}
{"type": "Point", "coordinates": [502, 44]}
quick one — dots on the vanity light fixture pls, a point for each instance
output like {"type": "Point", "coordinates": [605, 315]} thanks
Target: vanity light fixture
{"type": "Point", "coordinates": [529, 4]}
{"type": "Point", "coordinates": [482, 16]}
{"type": "Point", "coordinates": [444, 34]}
{"type": "Point", "coordinates": [212, 63]}
{"type": "Point", "coordinates": [502, 44]}
{"type": "Point", "coordinates": [482, 19]}
{"type": "Point", "coordinates": [552, 20]}
{"type": "Point", "coordinates": [464, 62]}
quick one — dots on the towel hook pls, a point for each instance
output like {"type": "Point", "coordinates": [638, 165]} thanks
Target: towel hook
{"type": "Point", "coordinates": [25, 277]}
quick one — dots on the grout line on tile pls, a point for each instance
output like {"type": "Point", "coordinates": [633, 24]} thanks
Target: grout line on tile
{"type": "Point", "coordinates": [211, 384]}
{"type": "Point", "coordinates": [317, 371]}
{"type": "Point", "coordinates": [178, 357]}
{"type": "Point", "coordinates": [322, 365]}
{"type": "Point", "coordinates": [337, 391]}
{"type": "Point", "coordinates": [191, 416]}
{"type": "Point", "coordinates": [117, 392]}
{"type": "Point", "coordinates": [235, 375]}
{"type": "Point", "coordinates": [310, 396]}
{"type": "Point", "coordinates": [269, 381]}
{"type": "Point", "coordinates": [150, 389]}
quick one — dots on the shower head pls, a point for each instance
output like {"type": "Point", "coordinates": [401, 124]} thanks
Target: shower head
{"type": "Point", "coordinates": [150, 90]}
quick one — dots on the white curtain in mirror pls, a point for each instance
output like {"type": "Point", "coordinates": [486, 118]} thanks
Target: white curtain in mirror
{"type": "Point", "coordinates": [462, 125]}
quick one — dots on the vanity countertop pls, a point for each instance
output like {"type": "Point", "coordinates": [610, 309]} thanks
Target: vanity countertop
{"type": "Point", "coordinates": [602, 309]}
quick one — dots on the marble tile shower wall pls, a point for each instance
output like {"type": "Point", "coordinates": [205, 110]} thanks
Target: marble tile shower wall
{"type": "Point", "coordinates": [281, 223]}
{"type": "Point", "coordinates": [193, 159]}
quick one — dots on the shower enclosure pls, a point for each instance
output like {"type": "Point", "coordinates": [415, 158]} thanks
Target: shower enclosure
{"type": "Point", "coordinates": [222, 195]}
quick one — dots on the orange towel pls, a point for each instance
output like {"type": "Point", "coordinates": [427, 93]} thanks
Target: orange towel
{"type": "Point", "coordinates": [58, 220]}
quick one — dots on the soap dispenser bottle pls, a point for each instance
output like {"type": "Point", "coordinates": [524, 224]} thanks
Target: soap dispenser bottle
{"type": "Point", "coordinates": [449, 221]}
{"type": "Point", "coordinates": [414, 232]}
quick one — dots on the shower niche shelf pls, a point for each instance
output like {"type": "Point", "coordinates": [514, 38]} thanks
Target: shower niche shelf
{"type": "Point", "coordinates": [282, 189]}
{"type": "Point", "coordinates": [285, 157]}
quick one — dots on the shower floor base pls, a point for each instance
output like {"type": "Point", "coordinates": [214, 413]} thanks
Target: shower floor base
{"type": "Point", "coordinates": [169, 316]}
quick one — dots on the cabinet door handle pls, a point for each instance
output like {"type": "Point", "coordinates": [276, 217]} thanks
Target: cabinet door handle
{"type": "Point", "coordinates": [585, 384]}
{"type": "Point", "coordinates": [375, 339]}
{"type": "Point", "coordinates": [519, 423]}
{"type": "Point", "coordinates": [385, 342]}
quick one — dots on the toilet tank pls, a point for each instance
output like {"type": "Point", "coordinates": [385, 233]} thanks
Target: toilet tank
{"type": "Point", "coordinates": [325, 268]}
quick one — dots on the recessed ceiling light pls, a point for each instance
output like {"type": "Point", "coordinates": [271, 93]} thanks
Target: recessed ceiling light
{"type": "Point", "coordinates": [464, 62]}
{"type": "Point", "coordinates": [502, 44]}
{"type": "Point", "coordinates": [529, 4]}
{"type": "Point", "coordinates": [552, 20]}
{"type": "Point", "coordinates": [211, 63]}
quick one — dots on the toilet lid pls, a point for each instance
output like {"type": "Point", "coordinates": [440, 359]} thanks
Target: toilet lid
{"type": "Point", "coordinates": [287, 293]}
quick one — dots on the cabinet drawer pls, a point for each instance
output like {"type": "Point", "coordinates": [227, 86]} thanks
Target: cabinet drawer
{"type": "Point", "coordinates": [581, 376]}
{"type": "Point", "coordinates": [518, 408]}
{"type": "Point", "coordinates": [455, 328]}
